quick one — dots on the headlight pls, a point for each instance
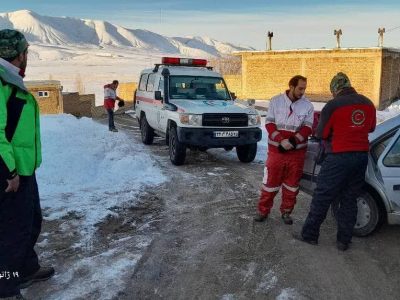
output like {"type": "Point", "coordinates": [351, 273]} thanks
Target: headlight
{"type": "Point", "coordinates": [254, 120]}
{"type": "Point", "coordinates": [193, 120]}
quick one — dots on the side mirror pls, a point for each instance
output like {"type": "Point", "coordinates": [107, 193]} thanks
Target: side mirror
{"type": "Point", "coordinates": [157, 95]}
{"type": "Point", "coordinates": [233, 95]}
{"type": "Point", "coordinates": [251, 102]}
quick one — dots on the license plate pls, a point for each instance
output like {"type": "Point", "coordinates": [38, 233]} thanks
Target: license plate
{"type": "Point", "coordinates": [226, 134]}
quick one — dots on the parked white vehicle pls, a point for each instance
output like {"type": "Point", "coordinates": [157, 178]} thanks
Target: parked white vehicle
{"type": "Point", "coordinates": [186, 102]}
{"type": "Point", "coordinates": [380, 201]}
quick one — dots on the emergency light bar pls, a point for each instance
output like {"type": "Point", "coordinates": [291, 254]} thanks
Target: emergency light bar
{"type": "Point", "coordinates": [184, 61]}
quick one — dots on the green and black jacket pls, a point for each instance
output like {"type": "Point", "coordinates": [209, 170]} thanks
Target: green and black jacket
{"type": "Point", "coordinates": [20, 147]}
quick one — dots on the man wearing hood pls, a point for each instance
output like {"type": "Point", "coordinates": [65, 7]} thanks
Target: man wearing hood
{"type": "Point", "coordinates": [20, 156]}
{"type": "Point", "coordinates": [344, 125]}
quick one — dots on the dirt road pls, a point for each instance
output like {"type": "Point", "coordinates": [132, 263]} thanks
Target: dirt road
{"type": "Point", "coordinates": [205, 244]}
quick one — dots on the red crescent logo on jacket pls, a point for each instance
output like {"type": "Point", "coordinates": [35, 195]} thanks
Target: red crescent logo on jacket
{"type": "Point", "coordinates": [358, 117]}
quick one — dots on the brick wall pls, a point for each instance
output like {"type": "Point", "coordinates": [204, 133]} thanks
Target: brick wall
{"type": "Point", "coordinates": [234, 83]}
{"type": "Point", "coordinates": [78, 105]}
{"type": "Point", "coordinates": [126, 90]}
{"type": "Point", "coordinates": [267, 73]}
{"type": "Point", "coordinates": [390, 84]}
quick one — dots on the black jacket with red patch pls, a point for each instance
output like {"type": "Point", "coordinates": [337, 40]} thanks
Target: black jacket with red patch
{"type": "Point", "coordinates": [346, 121]}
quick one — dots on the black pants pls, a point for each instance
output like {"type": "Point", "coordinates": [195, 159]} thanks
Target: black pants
{"type": "Point", "coordinates": [110, 112]}
{"type": "Point", "coordinates": [342, 176]}
{"type": "Point", "coordinates": [20, 226]}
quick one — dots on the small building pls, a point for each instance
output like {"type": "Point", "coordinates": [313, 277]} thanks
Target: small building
{"type": "Point", "coordinates": [48, 95]}
{"type": "Point", "coordinates": [374, 72]}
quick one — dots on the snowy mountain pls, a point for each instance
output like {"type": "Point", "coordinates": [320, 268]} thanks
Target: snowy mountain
{"type": "Point", "coordinates": [59, 32]}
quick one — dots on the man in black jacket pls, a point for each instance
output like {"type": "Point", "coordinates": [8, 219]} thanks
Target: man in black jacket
{"type": "Point", "coordinates": [344, 125]}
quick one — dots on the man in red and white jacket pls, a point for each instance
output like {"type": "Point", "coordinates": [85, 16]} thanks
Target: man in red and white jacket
{"type": "Point", "coordinates": [289, 124]}
{"type": "Point", "coordinates": [110, 95]}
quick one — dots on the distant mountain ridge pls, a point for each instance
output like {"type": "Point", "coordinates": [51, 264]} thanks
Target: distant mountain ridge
{"type": "Point", "coordinates": [71, 32]}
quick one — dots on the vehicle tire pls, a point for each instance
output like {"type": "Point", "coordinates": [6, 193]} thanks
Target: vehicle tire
{"type": "Point", "coordinates": [177, 150]}
{"type": "Point", "coordinates": [369, 215]}
{"type": "Point", "coordinates": [228, 148]}
{"type": "Point", "coordinates": [146, 131]}
{"type": "Point", "coordinates": [246, 153]}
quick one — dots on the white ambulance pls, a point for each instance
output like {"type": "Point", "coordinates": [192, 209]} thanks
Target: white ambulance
{"type": "Point", "coordinates": [189, 104]}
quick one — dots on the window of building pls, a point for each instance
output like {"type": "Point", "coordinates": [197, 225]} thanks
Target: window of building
{"type": "Point", "coordinates": [43, 94]}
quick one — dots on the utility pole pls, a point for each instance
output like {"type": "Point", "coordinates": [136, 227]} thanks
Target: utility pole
{"type": "Point", "coordinates": [381, 31]}
{"type": "Point", "coordinates": [270, 35]}
{"type": "Point", "coordinates": [338, 33]}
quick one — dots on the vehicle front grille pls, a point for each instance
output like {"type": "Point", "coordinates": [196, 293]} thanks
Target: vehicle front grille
{"type": "Point", "coordinates": [225, 120]}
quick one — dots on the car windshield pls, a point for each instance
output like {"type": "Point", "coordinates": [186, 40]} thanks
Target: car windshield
{"type": "Point", "coordinates": [198, 87]}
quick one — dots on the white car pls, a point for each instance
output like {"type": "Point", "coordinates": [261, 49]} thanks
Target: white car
{"type": "Point", "coordinates": [189, 104]}
{"type": "Point", "coordinates": [380, 201]}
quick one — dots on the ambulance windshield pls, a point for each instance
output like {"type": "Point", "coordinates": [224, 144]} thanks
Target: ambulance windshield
{"type": "Point", "coordinates": [198, 87]}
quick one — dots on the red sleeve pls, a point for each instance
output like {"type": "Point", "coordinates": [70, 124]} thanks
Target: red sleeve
{"type": "Point", "coordinates": [271, 128]}
{"type": "Point", "coordinates": [305, 132]}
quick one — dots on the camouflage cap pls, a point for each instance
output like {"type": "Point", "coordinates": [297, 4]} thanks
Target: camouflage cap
{"type": "Point", "coordinates": [12, 43]}
{"type": "Point", "coordinates": [339, 82]}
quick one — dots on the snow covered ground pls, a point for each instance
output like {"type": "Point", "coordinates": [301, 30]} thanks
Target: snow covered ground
{"type": "Point", "coordinates": [88, 172]}
{"type": "Point", "coordinates": [389, 112]}
{"type": "Point", "coordinates": [81, 170]}
{"type": "Point", "coordinates": [93, 52]}
{"type": "Point", "coordinates": [89, 175]}
{"type": "Point", "coordinates": [92, 68]}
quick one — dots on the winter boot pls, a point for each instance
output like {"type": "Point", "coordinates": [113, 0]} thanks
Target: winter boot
{"type": "Point", "coordinates": [298, 236]}
{"type": "Point", "coordinates": [260, 218]}
{"type": "Point", "coordinates": [342, 246]}
{"type": "Point", "coordinates": [287, 219]}
{"type": "Point", "coordinates": [114, 129]}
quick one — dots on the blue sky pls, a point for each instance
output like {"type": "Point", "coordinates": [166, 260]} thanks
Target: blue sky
{"type": "Point", "coordinates": [296, 24]}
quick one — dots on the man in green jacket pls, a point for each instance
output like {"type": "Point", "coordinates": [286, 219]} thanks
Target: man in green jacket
{"type": "Point", "coordinates": [20, 156]}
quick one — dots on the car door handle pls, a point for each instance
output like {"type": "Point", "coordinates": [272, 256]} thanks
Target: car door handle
{"type": "Point", "coordinates": [396, 187]}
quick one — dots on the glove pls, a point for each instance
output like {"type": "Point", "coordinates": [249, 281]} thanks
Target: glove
{"type": "Point", "coordinates": [286, 144]}
{"type": "Point", "coordinates": [121, 103]}
{"type": "Point", "coordinates": [281, 149]}
{"type": "Point", "coordinates": [293, 141]}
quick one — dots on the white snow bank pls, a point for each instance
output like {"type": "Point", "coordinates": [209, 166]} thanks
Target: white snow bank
{"type": "Point", "coordinates": [87, 170]}
{"type": "Point", "coordinates": [390, 112]}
